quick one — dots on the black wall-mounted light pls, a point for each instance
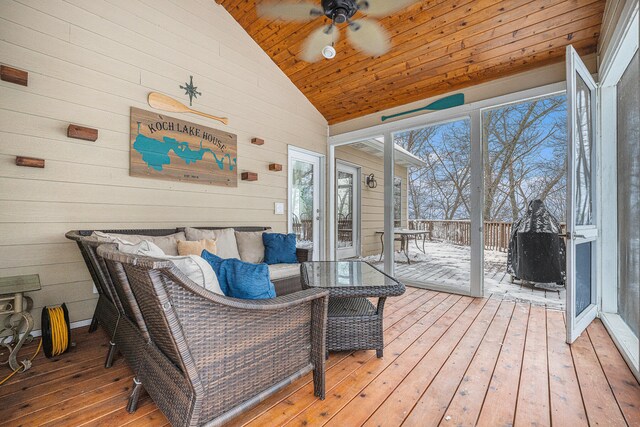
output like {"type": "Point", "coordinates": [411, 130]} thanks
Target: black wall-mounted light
{"type": "Point", "coordinates": [371, 181]}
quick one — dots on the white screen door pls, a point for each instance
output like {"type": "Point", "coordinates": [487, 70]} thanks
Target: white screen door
{"type": "Point", "coordinates": [305, 188]}
{"type": "Point", "coordinates": [582, 232]}
{"type": "Point", "coordinates": [347, 210]}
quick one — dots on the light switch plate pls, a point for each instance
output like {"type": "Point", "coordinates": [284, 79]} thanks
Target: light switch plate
{"type": "Point", "coordinates": [279, 208]}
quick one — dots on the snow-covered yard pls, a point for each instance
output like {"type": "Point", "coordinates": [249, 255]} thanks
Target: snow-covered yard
{"type": "Point", "coordinates": [448, 265]}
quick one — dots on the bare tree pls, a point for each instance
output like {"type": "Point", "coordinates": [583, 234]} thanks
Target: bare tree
{"type": "Point", "coordinates": [524, 148]}
{"type": "Point", "coordinates": [441, 188]}
{"type": "Point", "coordinates": [524, 158]}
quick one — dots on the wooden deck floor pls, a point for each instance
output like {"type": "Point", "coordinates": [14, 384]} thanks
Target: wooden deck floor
{"type": "Point", "coordinates": [443, 273]}
{"type": "Point", "coordinates": [449, 360]}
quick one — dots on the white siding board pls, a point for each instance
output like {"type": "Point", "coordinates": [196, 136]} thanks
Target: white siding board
{"type": "Point", "coordinates": [40, 42]}
{"type": "Point", "coordinates": [52, 274]}
{"type": "Point", "coordinates": [51, 233]}
{"type": "Point", "coordinates": [25, 15]}
{"type": "Point", "coordinates": [27, 190]}
{"type": "Point", "coordinates": [108, 176]}
{"type": "Point", "coordinates": [28, 211]}
{"type": "Point", "coordinates": [45, 254]}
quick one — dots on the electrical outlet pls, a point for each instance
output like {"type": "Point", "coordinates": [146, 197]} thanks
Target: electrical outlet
{"type": "Point", "coordinates": [279, 208]}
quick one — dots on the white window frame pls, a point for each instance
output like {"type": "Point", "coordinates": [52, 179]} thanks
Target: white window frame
{"type": "Point", "coordinates": [622, 47]}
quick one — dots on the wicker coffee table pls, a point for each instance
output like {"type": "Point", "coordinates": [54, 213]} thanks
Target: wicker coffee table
{"type": "Point", "coordinates": [353, 323]}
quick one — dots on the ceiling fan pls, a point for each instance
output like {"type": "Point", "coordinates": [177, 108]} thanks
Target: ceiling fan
{"type": "Point", "coordinates": [365, 34]}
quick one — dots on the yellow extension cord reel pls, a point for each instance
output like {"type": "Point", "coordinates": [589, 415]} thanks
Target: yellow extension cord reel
{"type": "Point", "coordinates": [56, 332]}
{"type": "Point", "coordinates": [56, 336]}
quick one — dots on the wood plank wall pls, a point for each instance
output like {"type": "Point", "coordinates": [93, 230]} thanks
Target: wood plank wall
{"type": "Point", "coordinates": [88, 63]}
{"type": "Point", "coordinates": [372, 206]}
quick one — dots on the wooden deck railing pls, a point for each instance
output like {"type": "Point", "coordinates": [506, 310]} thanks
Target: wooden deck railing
{"type": "Point", "coordinates": [497, 234]}
{"type": "Point", "coordinates": [303, 229]}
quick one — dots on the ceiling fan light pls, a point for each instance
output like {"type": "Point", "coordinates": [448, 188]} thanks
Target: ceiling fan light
{"type": "Point", "coordinates": [329, 52]}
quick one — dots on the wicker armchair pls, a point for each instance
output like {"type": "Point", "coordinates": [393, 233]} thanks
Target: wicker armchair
{"type": "Point", "coordinates": [211, 357]}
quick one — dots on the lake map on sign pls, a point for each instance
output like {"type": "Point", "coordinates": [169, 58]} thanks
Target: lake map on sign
{"type": "Point", "coordinates": [155, 153]}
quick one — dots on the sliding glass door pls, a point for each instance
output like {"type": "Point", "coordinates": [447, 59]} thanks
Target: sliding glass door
{"type": "Point", "coordinates": [448, 214]}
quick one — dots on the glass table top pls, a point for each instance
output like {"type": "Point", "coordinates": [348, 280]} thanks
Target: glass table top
{"type": "Point", "coordinates": [335, 274]}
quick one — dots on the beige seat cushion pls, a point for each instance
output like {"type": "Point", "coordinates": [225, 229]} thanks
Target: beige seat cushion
{"type": "Point", "coordinates": [195, 247]}
{"type": "Point", "coordinates": [283, 271]}
{"type": "Point", "coordinates": [225, 238]}
{"type": "Point", "coordinates": [168, 244]}
{"type": "Point", "coordinates": [250, 246]}
{"type": "Point", "coordinates": [197, 269]}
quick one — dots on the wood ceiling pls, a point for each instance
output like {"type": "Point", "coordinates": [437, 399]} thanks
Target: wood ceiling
{"type": "Point", "coordinates": [439, 46]}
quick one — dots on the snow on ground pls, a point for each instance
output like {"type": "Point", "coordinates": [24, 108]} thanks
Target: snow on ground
{"type": "Point", "coordinates": [446, 264]}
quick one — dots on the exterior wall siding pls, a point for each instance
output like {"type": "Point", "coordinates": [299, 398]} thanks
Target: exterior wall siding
{"type": "Point", "coordinates": [88, 63]}
{"type": "Point", "coordinates": [372, 200]}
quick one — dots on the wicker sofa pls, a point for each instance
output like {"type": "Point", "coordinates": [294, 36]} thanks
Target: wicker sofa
{"type": "Point", "coordinates": [229, 339]}
{"type": "Point", "coordinates": [108, 307]}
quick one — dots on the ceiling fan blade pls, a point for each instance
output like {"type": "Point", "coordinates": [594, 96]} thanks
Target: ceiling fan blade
{"type": "Point", "coordinates": [289, 11]}
{"type": "Point", "coordinates": [380, 8]}
{"type": "Point", "coordinates": [323, 36]}
{"type": "Point", "coordinates": [369, 37]}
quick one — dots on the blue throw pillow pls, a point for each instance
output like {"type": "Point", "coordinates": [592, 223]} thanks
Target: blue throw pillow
{"type": "Point", "coordinates": [216, 262]}
{"type": "Point", "coordinates": [279, 248]}
{"type": "Point", "coordinates": [241, 279]}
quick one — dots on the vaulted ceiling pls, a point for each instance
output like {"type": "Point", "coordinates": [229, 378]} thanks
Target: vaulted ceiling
{"type": "Point", "coordinates": [439, 46]}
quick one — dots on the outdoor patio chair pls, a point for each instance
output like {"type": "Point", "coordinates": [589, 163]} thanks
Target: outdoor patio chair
{"type": "Point", "coordinates": [211, 357]}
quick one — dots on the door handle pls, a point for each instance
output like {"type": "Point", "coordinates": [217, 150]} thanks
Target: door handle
{"type": "Point", "coordinates": [577, 236]}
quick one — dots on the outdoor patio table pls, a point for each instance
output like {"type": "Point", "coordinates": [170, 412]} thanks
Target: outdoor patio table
{"type": "Point", "coordinates": [405, 235]}
{"type": "Point", "coordinates": [353, 322]}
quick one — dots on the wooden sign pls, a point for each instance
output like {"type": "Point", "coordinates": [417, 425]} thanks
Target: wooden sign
{"type": "Point", "coordinates": [167, 148]}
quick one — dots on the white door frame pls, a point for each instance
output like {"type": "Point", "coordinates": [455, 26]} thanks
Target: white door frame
{"type": "Point", "coordinates": [580, 234]}
{"type": "Point", "coordinates": [319, 195]}
{"type": "Point", "coordinates": [355, 170]}
{"type": "Point", "coordinates": [622, 47]}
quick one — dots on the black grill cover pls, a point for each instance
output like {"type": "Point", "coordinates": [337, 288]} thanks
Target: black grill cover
{"type": "Point", "coordinates": [536, 250]}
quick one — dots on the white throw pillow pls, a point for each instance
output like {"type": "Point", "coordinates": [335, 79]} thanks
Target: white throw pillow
{"type": "Point", "coordinates": [144, 248]}
{"type": "Point", "coordinates": [192, 266]}
{"type": "Point", "coordinates": [168, 244]}
{"type": "Point", "coordinates": [225, 238]}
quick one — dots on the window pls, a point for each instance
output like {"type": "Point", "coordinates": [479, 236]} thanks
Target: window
{"type": "Point", "coordinates": [397, 201]}
{"type": "Point", "coordinates": [628, 177]}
